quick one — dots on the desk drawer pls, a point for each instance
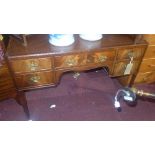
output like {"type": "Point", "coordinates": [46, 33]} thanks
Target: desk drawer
{"type": "Point", "coordinates": [120, 67]}
{"type": "Point", "coordinates": [100, 56]}
{"type": "Point", "coordinates": [35, 79]}
{"type": "Point", "coordinates": [68, 61]}
{"type": "Point", "coordinates": [29, 65]}
{"type": "Point", "coordinates": [145, 77]}
{"type": "Point", "coordinates": [148, 65]}
{"type": "Point", "coordinates": [126, 53]}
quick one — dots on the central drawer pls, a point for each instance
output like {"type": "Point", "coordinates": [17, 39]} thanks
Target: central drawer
{"type": "Point", "coordinates": [67, 61]}
{"type": "Point", "coordinates": [29, 65]}
{"type": "Point", "coordinates": [34, 79]}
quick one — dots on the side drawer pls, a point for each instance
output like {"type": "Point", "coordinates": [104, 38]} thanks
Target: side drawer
{"type": "Point", "coordinates": [99, 57]}
{"type": "Point", "coordinates": [120, 67]}
{"type": "Point", "coordinates": [145, 77]}
{"type": "Point", "coordinates": [68, 61]}
{"type": "Point", "coordinates": [126, 53]}
{"type": "Point", "coordinates": [148, 65]}
{"type": "Point", "coordinates": [34, 79]}
{"type": "Point", "coordinates": [29, 65]}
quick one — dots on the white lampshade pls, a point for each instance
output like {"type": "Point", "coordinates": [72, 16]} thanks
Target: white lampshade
{"type": "Point", "coordinates": [91, 37]}
{"type": "Point", "coordinates": [61, 39]}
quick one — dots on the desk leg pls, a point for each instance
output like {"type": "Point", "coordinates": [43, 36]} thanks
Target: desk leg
{"type": "Point", "coordinates": [21, 100]}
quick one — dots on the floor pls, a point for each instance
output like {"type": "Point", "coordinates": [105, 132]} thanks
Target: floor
{"type": "Point", "coordinates": [88, 98]}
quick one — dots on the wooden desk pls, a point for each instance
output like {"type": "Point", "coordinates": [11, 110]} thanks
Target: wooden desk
{"type": "Point", "coordinates": [41, 64]}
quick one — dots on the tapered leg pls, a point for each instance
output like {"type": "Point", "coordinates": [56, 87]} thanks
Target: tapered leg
{"type": "Point", "coordinates": [21, 99]}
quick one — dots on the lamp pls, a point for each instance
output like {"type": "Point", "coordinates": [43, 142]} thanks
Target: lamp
{"type": "Point", "coordinates": [129, 95]}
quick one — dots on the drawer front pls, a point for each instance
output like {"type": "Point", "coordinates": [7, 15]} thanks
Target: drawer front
{"type": "Point", "coordinates": [29, 65]}
{"type": "Point", "coordinates": [150, 52]}
{"type": "Point", "coordinates": [35, 79]}
{"type": "Point", "coordinates": [69, 61]}
{"type": "Point", "coordinates": [148, 65]}
{"type": "Point", "coordinates": [145, 77]}
{"type": "Point", "coordinates": [99, 57]}
{"type": "Point", "coordinates": [120, 68]}
{"type": "Point", "coordinates": [126, 53]}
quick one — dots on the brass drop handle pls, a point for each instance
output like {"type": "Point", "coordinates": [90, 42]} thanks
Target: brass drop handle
{"type": "Point", "coordinates": [71, 62]}
{"type": "Point", "coordinates": [33, 66]}
{"type": "Point", "coordinates": [35, 79]}
{"type": "Point", "coordinates": [102, 58]}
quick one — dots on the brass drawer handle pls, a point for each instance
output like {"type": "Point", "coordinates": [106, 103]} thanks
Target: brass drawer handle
{"type": "Point", "coordinates": [102, 58]}
{"type": "Point", "coordinates": [35, 79]}
{"type": "Point", "coordinates": [33, 66]}
{"type": "Point", "coordinates": [71, 62]}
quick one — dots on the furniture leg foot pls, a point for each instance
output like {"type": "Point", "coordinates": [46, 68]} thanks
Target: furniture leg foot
{"type": "Point", "coordinates": [21, 100]}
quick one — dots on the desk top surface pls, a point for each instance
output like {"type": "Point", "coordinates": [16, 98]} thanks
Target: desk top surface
{"type": "Point", "coordinates": [38, 45]}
